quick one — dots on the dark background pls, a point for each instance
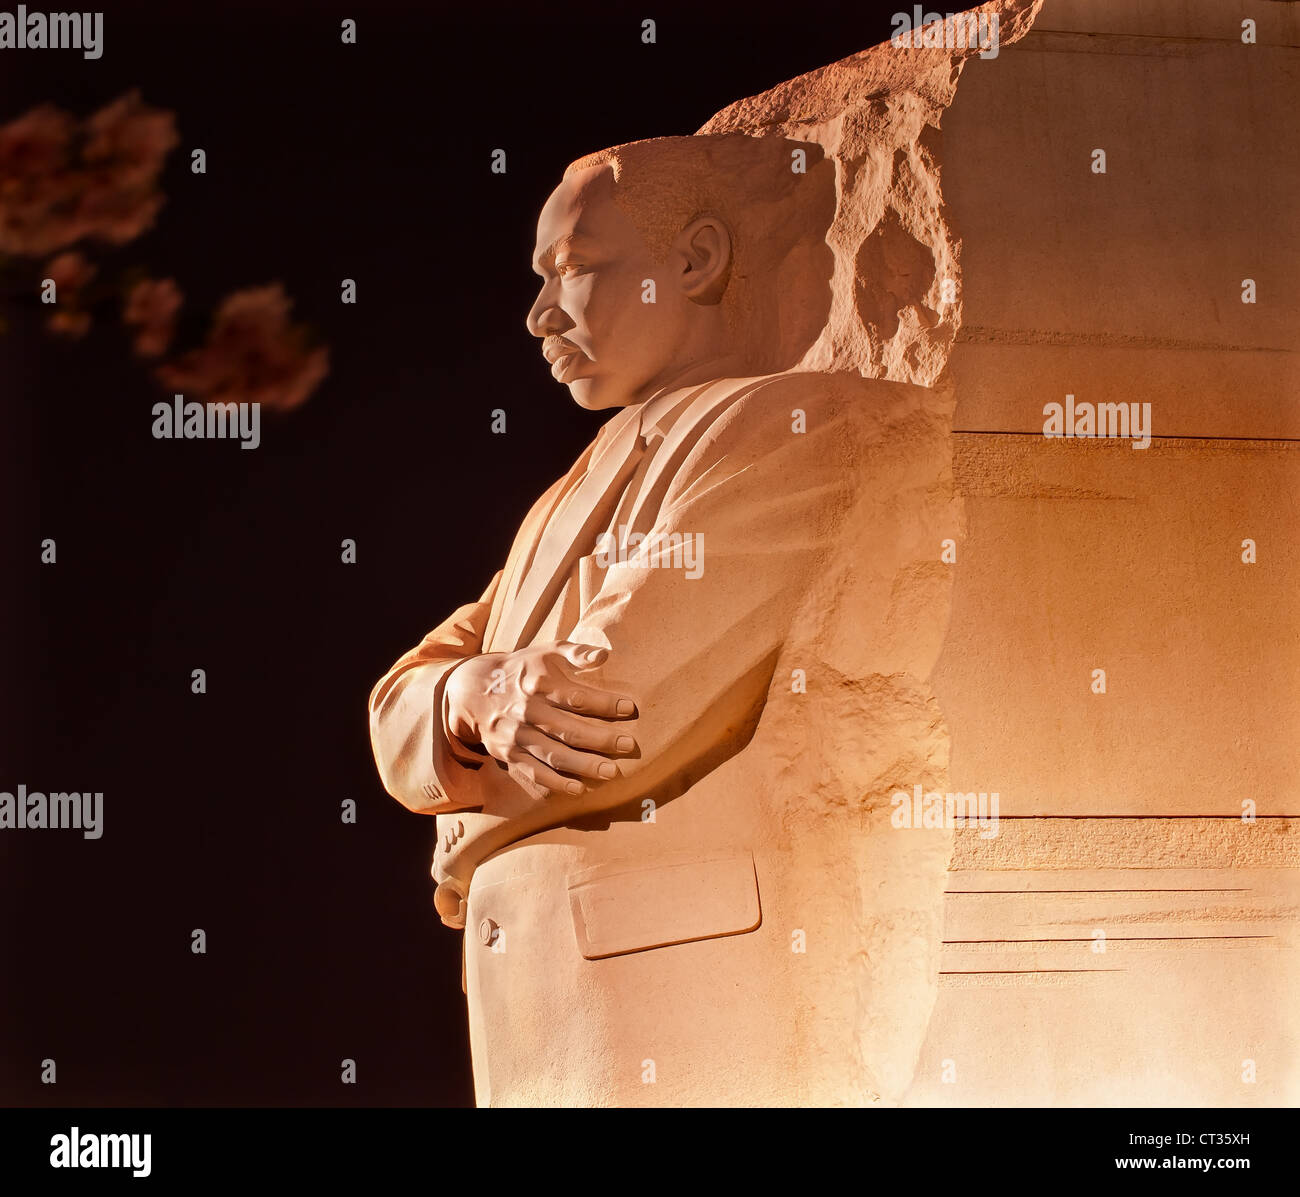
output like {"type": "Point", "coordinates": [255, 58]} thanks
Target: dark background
{"type": "Point", "coordinates": [222, 810]}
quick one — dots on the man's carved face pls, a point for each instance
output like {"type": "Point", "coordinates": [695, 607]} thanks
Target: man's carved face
{"type": "Point", "coordinates": [605, 342]}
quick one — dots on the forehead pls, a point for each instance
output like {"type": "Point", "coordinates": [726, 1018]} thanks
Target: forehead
{"type": "Point", "coordinates": [582, 206]}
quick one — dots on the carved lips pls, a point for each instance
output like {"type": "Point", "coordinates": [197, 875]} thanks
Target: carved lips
{"type": "Point", "coordinates": [564, 358]}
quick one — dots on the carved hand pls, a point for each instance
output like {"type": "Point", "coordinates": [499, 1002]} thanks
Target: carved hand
{"type": "Point", "coordinates": [528, 711]}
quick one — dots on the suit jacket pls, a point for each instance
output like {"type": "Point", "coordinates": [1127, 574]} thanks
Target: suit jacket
{"type": "Point", "coordinates": [781, 699]}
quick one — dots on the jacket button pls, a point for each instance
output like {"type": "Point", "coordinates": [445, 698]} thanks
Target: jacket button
{"type": "Point", "coordinates": [487, 932]}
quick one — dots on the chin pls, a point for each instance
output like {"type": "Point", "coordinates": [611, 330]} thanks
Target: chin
{"type": "Point", "coordinates": [596, 394]}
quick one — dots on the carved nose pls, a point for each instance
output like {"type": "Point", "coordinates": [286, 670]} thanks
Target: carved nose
{"type": "Point", "coordinates": [546, 319]}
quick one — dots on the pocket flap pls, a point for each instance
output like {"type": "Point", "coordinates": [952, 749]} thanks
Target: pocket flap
{"type": "Point", "coordinates": [632, 906]}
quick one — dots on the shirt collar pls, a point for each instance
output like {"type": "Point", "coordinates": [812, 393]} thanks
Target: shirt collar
{"type": "Point", "coordinates": [652, 418]}
{"type": "Point", "coordinates": [660, 412]}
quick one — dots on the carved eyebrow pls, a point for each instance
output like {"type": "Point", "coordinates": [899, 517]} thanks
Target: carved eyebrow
{"type": "Point", "coordinates": [550, 252]}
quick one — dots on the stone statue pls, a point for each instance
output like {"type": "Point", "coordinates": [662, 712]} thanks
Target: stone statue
{"type": "Point", "coordinates": [661, 746]}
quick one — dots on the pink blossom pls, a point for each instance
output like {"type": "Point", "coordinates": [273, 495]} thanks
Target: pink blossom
{"type": "Point", "coordinates": [37, 192]}
{"type": "Point", "coordinates": [70, 272]}
{"type": "Point", "coordinates": [125, 148]}
{"type": "Point", "coordinates": [151, 308]}
{"type": "Point", "coordinates": [253, 354]}
{"type": "Point", "coordinates": [61, 181]}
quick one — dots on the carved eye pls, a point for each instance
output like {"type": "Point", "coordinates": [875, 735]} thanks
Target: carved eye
{"type": "Point", "coordinates": [563, 268]}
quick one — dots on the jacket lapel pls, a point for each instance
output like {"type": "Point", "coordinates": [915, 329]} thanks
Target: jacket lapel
{"type": "Point", "coordinates": [521, 552]}
{"type": "Point", "coordinates": [683, 425]}
{"type": "Point", "coordinates": [567, 531]}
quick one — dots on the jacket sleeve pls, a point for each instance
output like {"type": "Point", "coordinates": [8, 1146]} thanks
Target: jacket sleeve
{"type": "Point", "coordinates": [420, 764]}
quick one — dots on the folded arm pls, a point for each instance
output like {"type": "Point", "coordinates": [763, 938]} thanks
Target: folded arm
{"type": "Point", "coordinates": [416, 756]}
{"type": "Point", "coordinates": [693, 618]}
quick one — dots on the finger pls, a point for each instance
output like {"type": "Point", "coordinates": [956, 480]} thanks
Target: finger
{"type": "Point", "coordinates": [580, 731]}
{"type": "Point", "coordinates": [581, 656]}
{"type": "Point", "coordinates": [541, 776]}
{"type": "Point", "coordinates": [588, 700]}
{"type": "Point", "coordinates": [561, 758]}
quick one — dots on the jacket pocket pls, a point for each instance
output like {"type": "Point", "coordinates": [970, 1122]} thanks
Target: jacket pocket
{"type": "Point", "coordinates": [634, 905]}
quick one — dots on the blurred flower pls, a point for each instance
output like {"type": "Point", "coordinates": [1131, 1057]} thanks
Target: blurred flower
{"type": "Point", "coordinates": [151, 307]}
{"type": "Point", "coordinates": [253, 354]}
{"type": "Point", "coordinates": [69, 324]}
{"type": "Point", "coordinates": [126, 146]}
{"type": "Point", "coordinates": [70, 272]}
{"type": "Point", "coordinates": [61, 181]}
{"type": "Point", "coordinates": [35, 144]}
{"type": "Point", "coordinates": [37, 194]}
{"type": "Point", "coordinates": [131, 139]}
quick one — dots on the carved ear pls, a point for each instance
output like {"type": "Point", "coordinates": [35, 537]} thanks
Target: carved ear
{"type": "Point", "coordinates": [704, 254]}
